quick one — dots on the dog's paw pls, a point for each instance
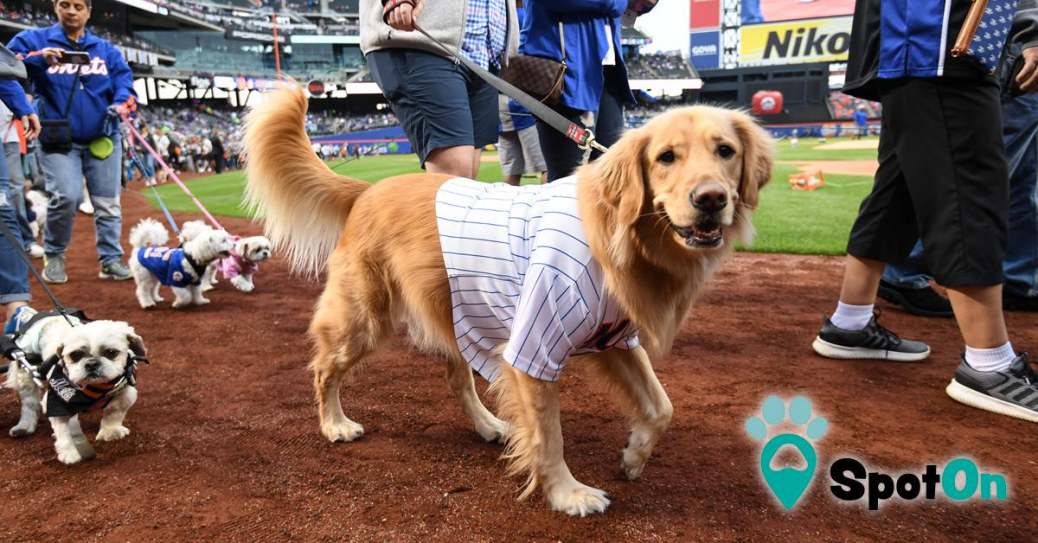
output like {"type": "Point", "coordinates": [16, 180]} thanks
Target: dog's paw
{"type": "Point", "coordinates": [22, 430]}
{"type": "Point", "coordinates": [112, 433]}
{"type": "Point", "coordinates": [633, 463]}
{"type": "Point", "coordinates": [242, 284]}
{"type": "Point", "coordinates": [494, 430]}
{"type": "Point", "coordinates": [343, 432]}
{"type": "Point", "coordinates": [201, 301]}
{"type": "Point", "coordinates": [206, 287]}
{"type": "Point", "coordinates": [68, 455]}
{"type": "Point", "coordinates": [577, 499]}
{"type": "Point", "coordinates": [177, 304]}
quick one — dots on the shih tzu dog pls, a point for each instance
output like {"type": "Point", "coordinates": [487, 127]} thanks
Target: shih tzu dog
{"type": "Point", "coordinates": [81, 366]}
{"type": "Point", "coordinates": [38, 200]}
{"type": "Point", "coordinates": [244, 260]}
{"type": "Point", "coordinates": [153, 264]}
{"type": "Point", "coordinates": [240, 266]}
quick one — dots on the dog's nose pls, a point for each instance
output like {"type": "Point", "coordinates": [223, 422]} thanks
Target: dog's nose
{"type": "Point", "coordinates": [710, 198]}
{"type": "Point", "coordinates": [93, 365]}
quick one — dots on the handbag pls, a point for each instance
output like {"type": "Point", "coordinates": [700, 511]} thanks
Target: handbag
{"type": "Point", "coordinates": [56, 134]}
{"type": "Point", "coordinates": [539, 77]}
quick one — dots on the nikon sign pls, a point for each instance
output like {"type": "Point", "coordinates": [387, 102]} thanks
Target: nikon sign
{"type": "Point", "coordinates": [791, 42]}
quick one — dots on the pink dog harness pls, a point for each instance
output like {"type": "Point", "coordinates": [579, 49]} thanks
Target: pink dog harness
{"type": "Point", "coordinates": [234, 265]}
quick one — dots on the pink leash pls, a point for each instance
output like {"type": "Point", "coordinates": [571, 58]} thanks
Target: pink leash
{"type": "Point", "coordinates": [169, 171]}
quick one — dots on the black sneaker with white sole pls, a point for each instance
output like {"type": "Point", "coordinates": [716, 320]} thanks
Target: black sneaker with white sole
{"type": "Point", "coordinates": [1012, 392]}
{"type": "Point", "coordinates": [871, 342]}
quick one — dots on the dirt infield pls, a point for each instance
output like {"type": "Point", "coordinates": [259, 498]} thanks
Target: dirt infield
{"type": "Point", "coordinates": [836, 167]}
{"type": "Point", "coordinates": [225, 446]}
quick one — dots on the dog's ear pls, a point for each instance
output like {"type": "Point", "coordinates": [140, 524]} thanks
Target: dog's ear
{"type": "Point", "coordinates": [622, 177]}
{"type": "Point", "coordinates": [136, 344]}
{"type": "Point", "coordinates": [758, 148]}
{"type": "Point", "coordinates": [244, 251]}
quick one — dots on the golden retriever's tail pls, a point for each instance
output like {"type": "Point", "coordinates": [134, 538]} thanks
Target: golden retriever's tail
{"type": "Point", "coordinates": [302, 203]}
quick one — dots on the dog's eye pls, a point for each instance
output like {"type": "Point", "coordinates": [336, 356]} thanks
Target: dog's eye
{"type": "Point", "coordinates": [725, 151]}
{"type": "Point", "coordinates": [76, 356]}
{"type": "Point", "coordinates": [111, 354]}
{"type": "Point", "coordinates": [666, 157]}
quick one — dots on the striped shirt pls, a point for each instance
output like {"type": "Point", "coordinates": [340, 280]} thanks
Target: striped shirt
{"type": "Point", "coordinates": [486, 32]}
{"type": "Point", "coordinates": [521, 274]}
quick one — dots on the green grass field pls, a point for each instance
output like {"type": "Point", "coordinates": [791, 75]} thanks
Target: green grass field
{"type": "Point", "coordinates": [788, 221]}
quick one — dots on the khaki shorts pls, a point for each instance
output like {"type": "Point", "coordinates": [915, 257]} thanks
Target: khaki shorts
{"type": "Point", "coordinates": [520, 152]}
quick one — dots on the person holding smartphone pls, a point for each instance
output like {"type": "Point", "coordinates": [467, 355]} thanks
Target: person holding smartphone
{"type": "Point", "coordinates": [82, 83]}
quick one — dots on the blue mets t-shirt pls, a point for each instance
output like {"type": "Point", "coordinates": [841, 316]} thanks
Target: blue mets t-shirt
{"type": "Point", "coordinates": [166, 264]}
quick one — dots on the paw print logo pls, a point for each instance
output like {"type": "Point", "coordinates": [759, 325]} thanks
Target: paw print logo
{"type": "Point", "coordinates": [788, 484]}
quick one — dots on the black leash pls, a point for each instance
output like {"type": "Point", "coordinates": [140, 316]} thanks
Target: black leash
{"type": "Point", "coordinates": [583, 137]}
{"type": "Point", "coordinates": [28, 262]}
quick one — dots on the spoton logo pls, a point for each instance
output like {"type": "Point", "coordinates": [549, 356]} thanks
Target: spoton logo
{"type": "Point", "coordinates": [787, 483]}
{"type": "Point", "coordinates": [797, 427]}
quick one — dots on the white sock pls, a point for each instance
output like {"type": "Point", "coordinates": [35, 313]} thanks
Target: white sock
{"type": "Point", "coordinates": [852, 317]}
{"type": "Point", "coordinates": [994, 359]}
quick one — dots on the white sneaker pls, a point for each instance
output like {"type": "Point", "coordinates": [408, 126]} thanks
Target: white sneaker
{"type": "Point", "coordinates": [86, 207]}
{"type": "Point", "coordinates": [35, 250]}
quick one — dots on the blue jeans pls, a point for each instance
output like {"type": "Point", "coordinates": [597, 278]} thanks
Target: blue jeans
{"type": "Point", "coordinates": [911, 273]}
{"type": "Point", "coordinates": [1020, 136]}
{"type": "Point", "coordinates": [16, 189]}
{"type": "Point", "coordinates": [1020, 139]}
{"type": "Point", "coordinates": [64, 173]}
{"type": "Point", "coordinates": [14, 275]}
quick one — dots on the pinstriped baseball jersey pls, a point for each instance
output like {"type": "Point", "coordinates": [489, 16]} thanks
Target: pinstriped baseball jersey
{"type": "Point", "coordinates": [521, 274]}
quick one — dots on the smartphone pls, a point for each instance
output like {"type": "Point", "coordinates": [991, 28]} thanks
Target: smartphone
{"type": "Point", "coordinates": [74, 57]}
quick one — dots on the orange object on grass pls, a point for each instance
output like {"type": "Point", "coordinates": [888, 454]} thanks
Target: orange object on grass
{"type": "Point", "coordinates": [807, 180]}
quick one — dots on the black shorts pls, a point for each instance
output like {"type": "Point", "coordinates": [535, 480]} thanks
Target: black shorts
{"type": "Point", "coordinates": [439, 102]}
{"type": "Point", "coordinates": [942, 177]}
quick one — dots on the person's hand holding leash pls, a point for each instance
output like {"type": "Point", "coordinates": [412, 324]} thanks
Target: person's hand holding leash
{"type": "Point", "coordinates": [32, 126]}
{"type": "Point", "coordinates": [401, 14]}
{"type": "Point", "coordinates": [1027, 79]}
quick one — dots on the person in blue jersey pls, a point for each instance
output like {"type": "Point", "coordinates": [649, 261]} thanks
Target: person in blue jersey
{"type": "Point", "coordinates": [595, 88]}
{"type": "Point", "coordinates": [14, 274]}
{"type": "Point", "coordinates": [942, 178]}
{"type": "Point", "coordinates": [82, 83]}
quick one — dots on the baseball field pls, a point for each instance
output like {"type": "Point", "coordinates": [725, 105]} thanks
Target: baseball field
{"type": "Point", "coordinates": [225, 444]}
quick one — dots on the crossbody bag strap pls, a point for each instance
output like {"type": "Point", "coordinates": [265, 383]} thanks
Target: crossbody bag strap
{"type": "Point", "coordinates": [68, 103]}
{"type": "Point", "coordinates": [562, 41]}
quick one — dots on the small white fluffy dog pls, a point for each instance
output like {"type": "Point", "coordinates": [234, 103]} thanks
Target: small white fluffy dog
{"type": "Point", "coordinates": [242, 263]}
{"type": "Point", "coordinates": [39, 200]}
{"type": "Point", "coordinates": [88, 366]}
{"type": "Point", "coordinates": [153, 264]}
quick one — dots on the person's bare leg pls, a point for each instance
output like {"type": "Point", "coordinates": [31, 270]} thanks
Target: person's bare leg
{"type": "Point", "coordinates": [544, 177]}
{"type": "Point", "coordinates": [861, 280]}
{"type": "Point", "coordinates": [978, 311]}
{"type": "Point", "coordinates": [452, 160]}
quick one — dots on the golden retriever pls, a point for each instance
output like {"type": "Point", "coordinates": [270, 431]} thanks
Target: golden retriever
{"type": "Point", "coordinates": [659, 211]}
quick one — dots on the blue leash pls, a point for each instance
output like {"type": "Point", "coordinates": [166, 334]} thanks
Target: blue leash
{"type": "Point", "coordinates": [162, 204]}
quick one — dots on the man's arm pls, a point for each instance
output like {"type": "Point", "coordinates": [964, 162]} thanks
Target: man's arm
{"type": "Point", "coordinates": [1023, 43]}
